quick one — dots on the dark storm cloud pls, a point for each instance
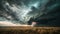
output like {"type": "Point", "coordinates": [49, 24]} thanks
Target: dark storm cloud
{"type": "Point", "coordinates": [51, 14]}
{"type": "Point", "coordinates": [17, 9]}
{"type": "Point", "coordinates": [42, 11]}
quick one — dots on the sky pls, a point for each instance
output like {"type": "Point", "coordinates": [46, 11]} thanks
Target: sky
{"type": "Point", "coordinates": [45, 12]}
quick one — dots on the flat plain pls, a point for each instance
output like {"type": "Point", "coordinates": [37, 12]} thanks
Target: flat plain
{"type": "Point", "coordinates": [29, 30]}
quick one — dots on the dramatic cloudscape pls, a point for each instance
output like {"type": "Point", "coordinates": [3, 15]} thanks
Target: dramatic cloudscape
{"type": "Point", "coordinates": [42, 12]}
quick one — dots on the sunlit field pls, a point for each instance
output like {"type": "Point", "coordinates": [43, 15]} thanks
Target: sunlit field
{"type": "Point", "coordinates": [10, 28]}
{"type": "Point", "coordinates": [29, 30]}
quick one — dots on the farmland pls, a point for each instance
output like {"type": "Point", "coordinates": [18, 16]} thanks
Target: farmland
{"type": "Point", "coordinates": [29, 30]}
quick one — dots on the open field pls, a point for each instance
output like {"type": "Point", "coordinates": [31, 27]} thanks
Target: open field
{"type": "Point", "coordinates": [29, 30]}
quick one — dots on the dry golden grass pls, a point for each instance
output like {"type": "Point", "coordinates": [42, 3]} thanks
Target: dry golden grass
{"type": "Point", "coordinates": [29, 30]}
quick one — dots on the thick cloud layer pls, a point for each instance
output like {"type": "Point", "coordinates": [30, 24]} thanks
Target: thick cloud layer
{"type": "Point", "coordinates": [44, 12]}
